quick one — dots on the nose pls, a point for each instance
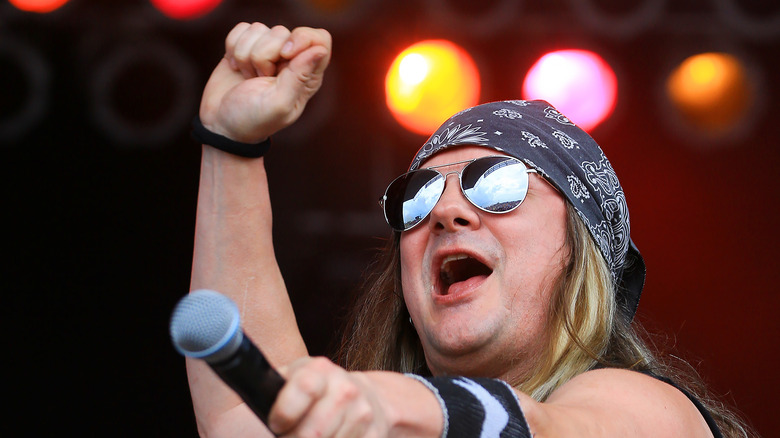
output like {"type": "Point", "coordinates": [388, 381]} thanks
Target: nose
{"type": "Point", "coordinates": [453, 211]}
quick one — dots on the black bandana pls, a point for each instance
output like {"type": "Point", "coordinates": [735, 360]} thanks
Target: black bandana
{"type": "Point", "coordinates": [567, 157]}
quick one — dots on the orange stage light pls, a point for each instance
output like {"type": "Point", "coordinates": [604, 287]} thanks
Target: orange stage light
{"type": "Point", "coordinates": [185, 9]}
{"type": "Point", "coordinates": [711, 91]}
{"type": "Point", "coordinates": [430, 81]}
{"type": "Point", "coordinates": [578, 83]}
{"type": "Point", "coordinates": [40, 6]}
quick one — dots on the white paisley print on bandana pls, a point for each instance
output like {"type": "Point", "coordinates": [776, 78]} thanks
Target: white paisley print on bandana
{"type": "Point", "coordinates": [518, 102]}
{"type": "Point", "coordinates": [603, 179]}
{"type": "Point", "coordinates": [577, 188]}
{"type": "Point", "coordinates": [533, 140]}
{"type": "Point", "coordinates": [508, 113]}
{"type": "Point", "coordinates": [552, 113]}
{"type": "Point", "coordinates": [566, 141]}
{"type": "Point", "coordinates": [451, 136]}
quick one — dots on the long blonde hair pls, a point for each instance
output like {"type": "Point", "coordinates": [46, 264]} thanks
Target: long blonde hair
{"type": "Point", "coordinates": [585, 329]}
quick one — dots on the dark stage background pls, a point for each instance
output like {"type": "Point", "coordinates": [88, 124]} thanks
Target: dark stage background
{"type": "Point", "coordinates": [100, 181]}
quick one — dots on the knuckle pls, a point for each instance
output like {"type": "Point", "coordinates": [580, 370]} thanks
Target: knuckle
{"type": "Point", "coordinates": [325, 35]}
{"type": "Point", "coordinates": [364, 413]}
{"type": "Point", "coordinates": [349, 392]}
{"type": "Point", "coordinates": [257, 26]}
{"type": "Point", "coordinates": [280, 30]}
{"type": "Point", "coordinates": [320, 363]}
{"type": "Point", "coordinates": [240, 55]}
{"type": "Point", "coordinates": [308, 383]}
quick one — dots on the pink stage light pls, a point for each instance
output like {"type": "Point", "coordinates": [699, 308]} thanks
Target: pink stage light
{"type": "Point", "coordinates": [579, 83]}
{"type": "Point", "coordinates": [185, 9]}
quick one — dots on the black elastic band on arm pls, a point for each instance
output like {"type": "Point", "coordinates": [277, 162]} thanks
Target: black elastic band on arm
{"type": "Point", "coordinates": [246, 150]}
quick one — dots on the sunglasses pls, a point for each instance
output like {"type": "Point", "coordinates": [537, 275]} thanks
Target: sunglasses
{"type": "Point", "coordinates": [496, 184]}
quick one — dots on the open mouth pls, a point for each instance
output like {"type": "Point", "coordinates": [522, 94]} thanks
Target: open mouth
{"type": "Point", "coordinates": [460, 267]}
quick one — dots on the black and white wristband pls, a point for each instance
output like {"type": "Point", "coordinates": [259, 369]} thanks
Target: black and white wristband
{"type": "Point", "coordinates": [477, 407]}
{"type": "Point", "coordinates": [246, 150]}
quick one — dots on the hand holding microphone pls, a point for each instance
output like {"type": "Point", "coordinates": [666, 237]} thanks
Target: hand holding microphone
{"type": "Point", "coordinates": [207, 325]}
{"type": "Point", "coordinates": [320, 397]}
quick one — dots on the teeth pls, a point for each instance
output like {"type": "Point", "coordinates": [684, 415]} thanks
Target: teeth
{"type": "Point", "coordinates": [445, 273]}
{"type": "Point", "coordinates": [451, 258]}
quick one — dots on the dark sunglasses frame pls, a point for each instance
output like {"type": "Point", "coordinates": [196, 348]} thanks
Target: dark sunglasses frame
{"type": "Point", "coordinates": [384, 201]}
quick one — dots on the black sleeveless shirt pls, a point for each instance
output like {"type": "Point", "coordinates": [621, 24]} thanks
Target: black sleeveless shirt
{"type": "Point", "coordinates": [702, 410]}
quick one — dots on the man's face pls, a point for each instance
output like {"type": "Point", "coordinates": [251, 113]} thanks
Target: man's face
{"type": "Point", "coordinates": [478, 284]}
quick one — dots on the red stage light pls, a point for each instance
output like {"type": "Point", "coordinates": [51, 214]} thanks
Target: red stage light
{"type": "Point", "coordinates": [430, 81]}
{"type": "Point", "coordinates": [185, 9]}
{"type": "Point", "coordinates": [40, 6]}
{"type": "Point", "coordinates": [578, 83]}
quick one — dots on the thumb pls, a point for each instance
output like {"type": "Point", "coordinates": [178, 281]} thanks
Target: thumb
{"type": "Point", "coordinates": [303, 75]}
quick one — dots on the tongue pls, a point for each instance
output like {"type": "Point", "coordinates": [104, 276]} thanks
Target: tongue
{"type": "Point", "coordinates": [465, 285]}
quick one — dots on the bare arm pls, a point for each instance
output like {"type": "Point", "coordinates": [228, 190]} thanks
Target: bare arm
{"type": "Point", "coordinates": [260, 87]}
{"type": "Point", "coordinates": [614, 403]}
{"type": "Point", "coordinates": [322, 399]}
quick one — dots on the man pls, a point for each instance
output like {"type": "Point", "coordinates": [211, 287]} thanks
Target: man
{"type": "Point", "coordinates": [510, 312]}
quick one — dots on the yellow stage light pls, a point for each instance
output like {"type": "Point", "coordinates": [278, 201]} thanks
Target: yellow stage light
{"type": "Point", "coordinates": [430, 81]}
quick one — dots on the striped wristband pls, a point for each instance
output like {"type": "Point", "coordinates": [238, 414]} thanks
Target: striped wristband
{"type": "Point", "coordinates": [477, 407]}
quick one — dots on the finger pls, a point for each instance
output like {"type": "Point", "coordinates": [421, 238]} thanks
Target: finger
{"type": "Point", "coordinates": [233, 36]}
{"type": "Point", "coordinates": [357, 421]}
{"type": "Point", "coordinates": [244, 45]}
{"type": "Point", "coordinates": [303, 75]}
{"type": "Point", "coordinates": [265, 52]}
{"type": "Point", "coordinates": [341, 412]}
{"type": "Point", "coordinates": [302, 38]}
{"type": "Point", "coordinates": [231, 40]}
{"type": "Point", "coordinates": [302, 390]}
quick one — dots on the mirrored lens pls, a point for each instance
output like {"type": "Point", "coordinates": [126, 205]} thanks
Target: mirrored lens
{"type": "Point", "coordinates": [411, 197]}
{"type": "Point", "coordinates": [495, 184]}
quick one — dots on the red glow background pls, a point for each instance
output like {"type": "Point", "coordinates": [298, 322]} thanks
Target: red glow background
{"type": "Point", "coordinates": [100, 215]}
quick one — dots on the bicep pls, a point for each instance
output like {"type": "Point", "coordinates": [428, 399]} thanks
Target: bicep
{"type": "Point", "coordinates": [612, 402]}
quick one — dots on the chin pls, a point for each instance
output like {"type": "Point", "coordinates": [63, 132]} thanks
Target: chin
{"type": "Point", "coordinates": [459, 346]}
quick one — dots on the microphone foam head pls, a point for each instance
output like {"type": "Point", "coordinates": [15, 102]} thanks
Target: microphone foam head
{"type": "Point", "coordinates": [206, 325]}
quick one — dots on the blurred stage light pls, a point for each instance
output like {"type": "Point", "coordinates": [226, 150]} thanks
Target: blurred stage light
{"type": "Point", "coordinates": [619, 18]}
{"type": "Point", "coordinates": [578, 83]}
{"type": "Point", "coordinates": [40, 6]}
{"type": "Point", "coordinates": [143, 93]}
{"type": "Point", "coordinates": [430, 81]}
{"type": "Point", "coordinates": [472, 18]}
{"type": "Point", "coordinates": [757, 19]}
{"type": "Point", "coordinates": [333, 14]}
{"type": "Point", "coordinates": [711, 91]}
{"type": "Point", "coordinates": [185, 9]}
{"type": "Point", "coordinates": [26, 102]}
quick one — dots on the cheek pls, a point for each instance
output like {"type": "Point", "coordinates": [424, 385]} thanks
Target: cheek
{"type": "Point", "coordinates": [536, 256]}
{"type": "Point", "coordinates": [411, 251]}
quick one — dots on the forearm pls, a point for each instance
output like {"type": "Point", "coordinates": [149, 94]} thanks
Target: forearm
{"type": "Point", "coordinates": [233, 254]}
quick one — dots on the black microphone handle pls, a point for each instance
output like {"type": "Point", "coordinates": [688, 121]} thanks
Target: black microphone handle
{"type": "Point", "coordinates": [250, 375]}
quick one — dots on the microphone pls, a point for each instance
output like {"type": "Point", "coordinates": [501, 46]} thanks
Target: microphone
{"type": "Point", "coordinates": [206, 325]}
